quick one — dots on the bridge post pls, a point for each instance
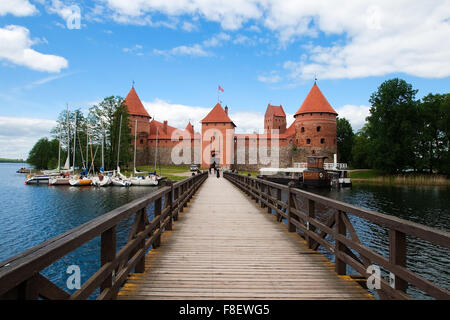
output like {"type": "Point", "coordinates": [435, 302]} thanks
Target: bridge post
{"type": "Point", "coordinates": [261, 194]}
{"type": "Point", "coordinates": [175, 198]}
{"type": "Point", "coordinates": [279, 206]}
{"type": "Point", "coordinates": [108, 254]}
{"type": "Point", "coordinates": [311, 228]}
{"type": "Point", "coordinates": [291, 226]}
{"type": "Point", "coordinates": [340, 266]}
{"type": "Point", "coordinates": [170, 205]}
{"type": "Point", "coordinates": [157, 202]}
{"type": "Point", "coordinates": [269, 194]}
{"type": "Point", "coordinates": [140, 265]}
{"type": "Point", "coordinates": [397, 255]}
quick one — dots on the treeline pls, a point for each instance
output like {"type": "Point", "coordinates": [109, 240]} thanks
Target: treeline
{"type": "Point", "coordinates": [402, 133]}
{"type": "Point", "coordinates": [6, 160]}
{"type": "Point", "coordinates": [84, 136]}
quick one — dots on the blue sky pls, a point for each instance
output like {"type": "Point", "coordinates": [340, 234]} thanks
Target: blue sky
{"type": "Point", "coordinates": [178, 52]}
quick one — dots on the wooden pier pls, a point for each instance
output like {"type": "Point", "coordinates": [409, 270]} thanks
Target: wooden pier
{"type": "Point", "coordinates": [236, 237]}
{"type": "Point", "coordinates": [226, 247]}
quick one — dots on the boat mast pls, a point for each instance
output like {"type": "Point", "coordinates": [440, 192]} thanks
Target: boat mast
{"type": "Point", "coordinates": [87, 146]}
{"type": "Point", "coordinates": [118, 148]}
{"type": "Point", "coordinates": [135, 135]}
{"type": "Point", "coordinates": [59, 149]}
{"type": "Point", "coordinates": [103, 158]}
{"type": "Point", "coordinates": [74, 141]}
{"type": "Point", "coordinates": [156, 149]}
{"type": "Point", "coordinates": [68, 135]}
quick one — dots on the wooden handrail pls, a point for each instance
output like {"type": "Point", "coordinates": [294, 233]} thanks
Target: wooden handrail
{"type": "Point", "coordinates": [20, 276]}
{"type": "Point", "coordinates": [337, 227]}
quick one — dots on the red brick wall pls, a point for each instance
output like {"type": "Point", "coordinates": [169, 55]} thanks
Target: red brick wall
{"type": "Point", "coordinates": [306, 127]}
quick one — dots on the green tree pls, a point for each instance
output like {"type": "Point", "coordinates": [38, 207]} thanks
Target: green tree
{"type": "Point", "coordinates": [344, 140]}
{"type": "Point", "coordinates": [393, 126]}
{"type": "Point", "coordinates": [104, 123]}
{"type": "Point", "coordinates": [433, 142]}
{"type": "Point", "coordinates": [360, 149]}
{"type": "Point", "coordinates": [44, 154]}
{"type": "Point", "coordinates": [69, 123]}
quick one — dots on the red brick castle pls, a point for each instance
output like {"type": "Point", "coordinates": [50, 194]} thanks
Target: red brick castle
{"type": "Point", "coordinates": [312, 133]}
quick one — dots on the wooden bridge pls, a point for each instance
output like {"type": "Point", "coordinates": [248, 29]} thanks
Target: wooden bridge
{"type": "Point", "coordinates": [228, 242]}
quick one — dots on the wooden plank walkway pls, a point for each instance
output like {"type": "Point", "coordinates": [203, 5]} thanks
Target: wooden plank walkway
{"type": "Point", "coordinates": [225, 247]}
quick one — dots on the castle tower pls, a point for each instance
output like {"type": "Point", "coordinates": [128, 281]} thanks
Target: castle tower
{"type": "Point", "coordinates": [215, 128]}
{"type": "Point", "coordinates": [275, 118]}
{"type": "Point", "coordinates": [137, 112]}
{"type": "Point", "coordinates": [315, 125]}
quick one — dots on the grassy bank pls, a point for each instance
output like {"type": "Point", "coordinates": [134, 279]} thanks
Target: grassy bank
{"type": "Point", "coordinates": [378, 177]}
{"type": "Point", "coordinates": [174, 173]}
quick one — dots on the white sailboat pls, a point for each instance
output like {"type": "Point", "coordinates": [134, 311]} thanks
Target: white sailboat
{"type": "Point", "coordinates": [82, 180]}
{"type": "Point", "coordinates": [102, 180]}
{"type": "Point", "coordinates": [119, 180]}
{"type": "Point", "coordinates": [149, 180]}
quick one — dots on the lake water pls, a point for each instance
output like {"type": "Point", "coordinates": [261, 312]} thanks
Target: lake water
{"type": "Point", "coordinates": [30, 215]}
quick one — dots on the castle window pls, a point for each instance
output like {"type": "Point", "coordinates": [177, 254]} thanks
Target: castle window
{"type": "Point", "coordinates": [141, 141]}
{"type": "Point", "coordinates": [303, 129]}
{"type": "Point", "coordinates": [322, 141]}
{"type": "Point", "coordinates": [318, 129]}
{"type": "Point", "coordinates": [308, 141]}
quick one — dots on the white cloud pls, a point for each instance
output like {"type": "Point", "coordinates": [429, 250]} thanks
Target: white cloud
{"type": "Point", "coordinates": [196, 50]}
{"type": "Point", "coordinates": [189, 26]}
{"type": "Point", "coordinates": [356, 115]}
{"type": "Point", "coordinates": [15, 47]}
{"type": "Point", "coordinates": [18, 135]}
{"type": "Point", "coordinates": [136, 49]}
{"type": "Point", "coordinates": [18, 8]}
{"type": "Point", "coordinates": [230, 14]}
{"type": "Point", "coordinates": [374, 38]}
{"type": "Point", "coordinates": [178, 116]}
{"type": "Point", "coordinates": [273, 77]}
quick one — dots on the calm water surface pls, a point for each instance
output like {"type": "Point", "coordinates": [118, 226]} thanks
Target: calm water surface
{"type": "Point", "coordinates": [30, 215]}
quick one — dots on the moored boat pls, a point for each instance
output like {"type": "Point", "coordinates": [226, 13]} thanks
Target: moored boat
{"type": "Point", "coordinates": [151, 180]}
{"type": "Point", "coordinates": [80, 181]}
{"type": "Point", "coordinates": [101, 181]}
{"type": "Point", "coordinates": [42, 179]}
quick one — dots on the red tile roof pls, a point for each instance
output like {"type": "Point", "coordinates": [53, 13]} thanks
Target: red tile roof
{"type": "Point", "coordinates": [134, 104]}
{"type": "Point", "coordinates": [291, 130]}
{"type": "Point", "coordinates": [315, 102]}
{"type": "Point", "coordinates": [217, 114]}
{"type": "Point", "coordinates": [164, 130]}
{"type": "Point", "coordinates": [190, 128]}
{"type": "Point", "coordinates": [276, 110]}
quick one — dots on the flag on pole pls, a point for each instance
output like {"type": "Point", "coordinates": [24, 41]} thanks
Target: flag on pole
{"type": "Point", "coordinates": [220, 88]}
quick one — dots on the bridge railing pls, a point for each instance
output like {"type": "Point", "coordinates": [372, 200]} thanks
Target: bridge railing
{"type": "Point", "coordinates": [21, 278]}
{"type": "Point", "coordinates": [343, 241]}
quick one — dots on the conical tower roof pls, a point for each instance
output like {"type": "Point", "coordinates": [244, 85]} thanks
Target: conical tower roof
{"type": "Point", "coordinates": [217, 114]}
{"type": "Point", "coordinates": [134, 104]}
{"type": "Point", "coordinates": [190, 127]}
{"type": "Point", "coordinates": [315, 102]}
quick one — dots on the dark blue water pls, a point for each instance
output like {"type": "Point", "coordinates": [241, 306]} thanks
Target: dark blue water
{"type": "Point", "coordinates": [31, 214]}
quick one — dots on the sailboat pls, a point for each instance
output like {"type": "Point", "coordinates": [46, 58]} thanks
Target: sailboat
{"type": "Point", "coordinates": [149, 180]}
{"type": "Point", "coordinates": [83, 179]}
{"type": "Point", "coordinates": [119, 180]}
{"type": "Point", "coordinates": [102, 180]}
